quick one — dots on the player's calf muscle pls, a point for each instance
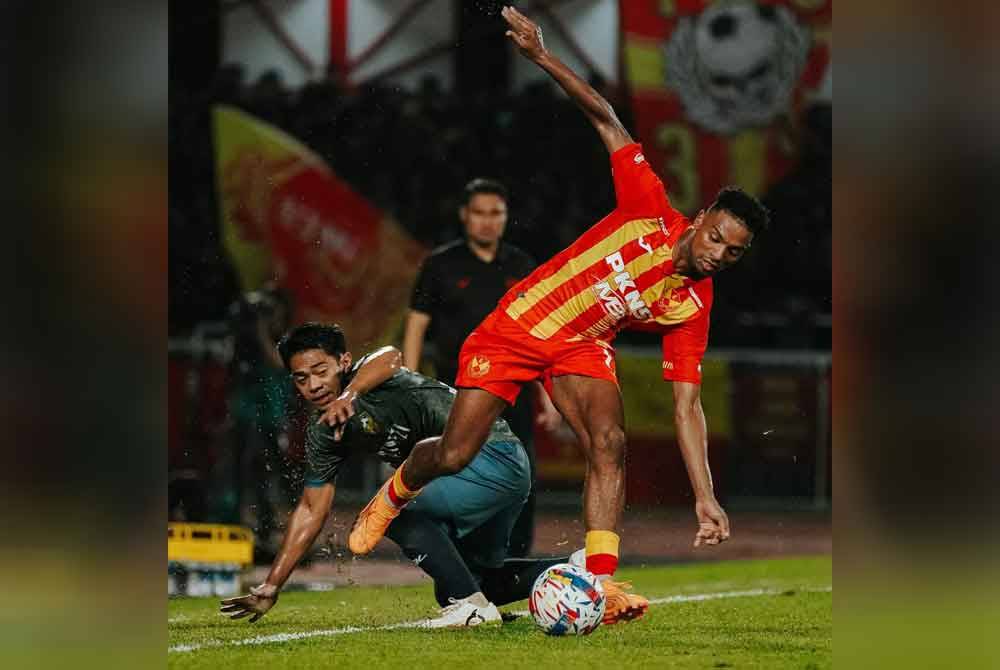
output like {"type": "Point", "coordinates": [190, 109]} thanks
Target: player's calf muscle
{"type": "Point", "coordinates": [421, 466]}
{"type": "Point", "coordinates": [452, 459]}
{"type": "Point", "coordinates": [433, 458]}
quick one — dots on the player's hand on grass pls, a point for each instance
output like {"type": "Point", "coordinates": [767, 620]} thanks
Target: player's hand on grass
{"type": "Point", "coordinates": [338, 413]}
{"type": "Point", "coordinates": [525, 34]}
{"type": "Point", "coordinates": [261, 599]}
{"type": "Point", "coordinates": [713, 524]}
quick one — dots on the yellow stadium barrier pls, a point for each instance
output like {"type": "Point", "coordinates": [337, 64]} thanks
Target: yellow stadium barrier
{"type": "Point", "coordinates": [209, 543]}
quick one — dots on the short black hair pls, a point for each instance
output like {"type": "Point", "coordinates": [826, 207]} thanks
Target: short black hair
{"type": "Point", "coordinates": [326, 336]}
{"type": "Point", "coordinates": [744, 207]}
{"type": "Point", "coordinates": [483, 185]}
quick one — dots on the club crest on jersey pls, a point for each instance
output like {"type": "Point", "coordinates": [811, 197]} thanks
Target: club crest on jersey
{"type": "Point", "coordinates": [623, 298]}
{"type": "Point", "coordinates": [479, 366]}
{"type": "Point", "coordinates": [397, 434]}
{"type": "Point", "coordinates": [368, 424]}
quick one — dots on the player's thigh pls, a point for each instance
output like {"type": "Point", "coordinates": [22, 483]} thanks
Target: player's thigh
{"type": "Point", "coordinates": [497, 484]}
{"type": "Point", "coordinates": [500, 357]}
{"type": "Point", "coordinates": [593, 408]}
{"type": "Point", "coordinates": [497, 479]}
{"type": "Point", "coordinates": [433, 503]}
{"type": "Point", "coordinates": [470, 421]}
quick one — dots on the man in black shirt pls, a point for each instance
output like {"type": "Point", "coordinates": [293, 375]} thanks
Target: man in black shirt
{"type": "Point", "coordinates": [457, 531]}
{"type": "Point", "coordinates": [458, 285]}
{"type": "Point", "coordinates": [461, 282]}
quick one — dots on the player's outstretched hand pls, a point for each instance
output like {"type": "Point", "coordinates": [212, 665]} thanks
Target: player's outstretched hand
{"type": "Point", "coordinates": [549, 419]}
{"type": "Point", "coordinates": [260, 600]}
{"type": "Point", "coordinates": [338, 412]}
{"type": "Point", "coordinates": [713, 524]}
{"type": "Point", "coordinates": [525, 33]}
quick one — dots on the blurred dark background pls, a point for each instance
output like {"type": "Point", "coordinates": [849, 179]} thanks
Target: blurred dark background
{"type": "Point", "coordinates": [409, 148]}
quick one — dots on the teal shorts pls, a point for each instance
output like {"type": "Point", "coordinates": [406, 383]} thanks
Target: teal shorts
{"type": "Point", "coordinates": [478, 506]}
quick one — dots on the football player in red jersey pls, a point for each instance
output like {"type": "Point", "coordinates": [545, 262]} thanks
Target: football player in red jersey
{"type": "Point", "coordinates": [644, 265]}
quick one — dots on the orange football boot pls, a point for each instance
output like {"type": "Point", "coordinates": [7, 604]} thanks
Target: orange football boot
{"type": "Point", "coordinates": [622, 606]}
{"type": "Point", "coordinates": [372, 522]}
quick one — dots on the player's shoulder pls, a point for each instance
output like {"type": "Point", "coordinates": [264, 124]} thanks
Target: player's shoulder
{"type": "Point", "coordinates": [406, 379]}
{"type": "Point", "coordinates": [440, 259]}
{"type": "Point", "coordinates": [634, 175]}
{"type": "Point", "coordinates": [447, 249]}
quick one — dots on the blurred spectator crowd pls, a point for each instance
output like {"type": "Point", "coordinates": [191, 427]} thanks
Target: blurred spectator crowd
{"type": "Point", "coordinates": [410, 153]}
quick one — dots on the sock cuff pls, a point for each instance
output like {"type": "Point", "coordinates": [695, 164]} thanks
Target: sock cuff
{"type": "Point", "coordinates": [602, 564]}
{"type": "Point", "coordinates": [602, 542]}
{"type": "Point", "coordinates": [399, 488]}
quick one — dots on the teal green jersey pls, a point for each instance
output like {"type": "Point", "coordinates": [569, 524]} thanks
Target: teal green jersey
{"type": "Point", "coordinates": [388, 421]}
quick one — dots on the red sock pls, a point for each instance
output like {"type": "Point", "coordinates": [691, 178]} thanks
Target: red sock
{"type": "Point", "coordinates": [602, 552]}
{"type": "Point", "coordinates": [397, 493]}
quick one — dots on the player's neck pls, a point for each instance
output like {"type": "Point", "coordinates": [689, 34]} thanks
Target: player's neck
{"type": "Point", "coordinates": [484, 252]}
{"type": "Point", "coordinates": [682, 255]}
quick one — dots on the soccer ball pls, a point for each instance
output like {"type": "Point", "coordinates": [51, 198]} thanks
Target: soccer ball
{"type": "Point", "coordinates": [567, 600]}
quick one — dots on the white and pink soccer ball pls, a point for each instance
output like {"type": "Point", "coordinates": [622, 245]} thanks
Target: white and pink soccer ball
{"type": "Point", "coordinates": [567, 600]}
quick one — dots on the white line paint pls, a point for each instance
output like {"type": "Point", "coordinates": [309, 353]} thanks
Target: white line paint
{"type": "Point", "coordinates": [289, 637]}
{"type": "Point", "coordinates": [696, 597]}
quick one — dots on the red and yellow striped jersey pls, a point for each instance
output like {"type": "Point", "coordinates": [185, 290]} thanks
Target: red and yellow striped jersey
{"type": "Point", "coordinates": [620, 274]}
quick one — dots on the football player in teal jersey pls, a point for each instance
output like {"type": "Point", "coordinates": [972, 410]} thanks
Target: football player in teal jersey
{"type": "Point", "coordinates": [456, 531]}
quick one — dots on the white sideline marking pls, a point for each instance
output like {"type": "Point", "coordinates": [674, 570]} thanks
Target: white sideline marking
{"type": "Point", "coordinates": [696, 597]}
{"type": "Point", "coordinates": [289, 637]}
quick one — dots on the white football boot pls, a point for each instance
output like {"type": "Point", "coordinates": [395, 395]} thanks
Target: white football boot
{"type": "Point", "coordinates": [475, 610]}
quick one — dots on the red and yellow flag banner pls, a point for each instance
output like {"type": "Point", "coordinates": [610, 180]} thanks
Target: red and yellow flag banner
{"type": "Point", "coordinates": [287, 217]}
{"type": "Point", "coordinates": [717, 88]}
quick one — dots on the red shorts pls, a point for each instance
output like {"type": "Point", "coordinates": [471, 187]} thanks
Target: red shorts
{"type": "Point", "coordinates": [500, 356]}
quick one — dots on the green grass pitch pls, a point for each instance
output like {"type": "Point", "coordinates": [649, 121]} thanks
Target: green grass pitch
{"type": "Point", "coordinates": [734, 614]}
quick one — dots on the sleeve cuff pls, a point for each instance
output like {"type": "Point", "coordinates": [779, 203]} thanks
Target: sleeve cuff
{"type": "Point", "coordinates": [626, 151]}
{"type": "Point", "coordinates": [690, 374]}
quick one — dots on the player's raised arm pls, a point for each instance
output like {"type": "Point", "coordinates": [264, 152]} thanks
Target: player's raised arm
{"type": "Point", "coordinates": [528, 37]}
{"type": "Point", "coordinates": [304, 526]}
{"type": "Point", "coordinates": [376, 368]}
{"type": "Point", "coordinates": [414, 332]}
